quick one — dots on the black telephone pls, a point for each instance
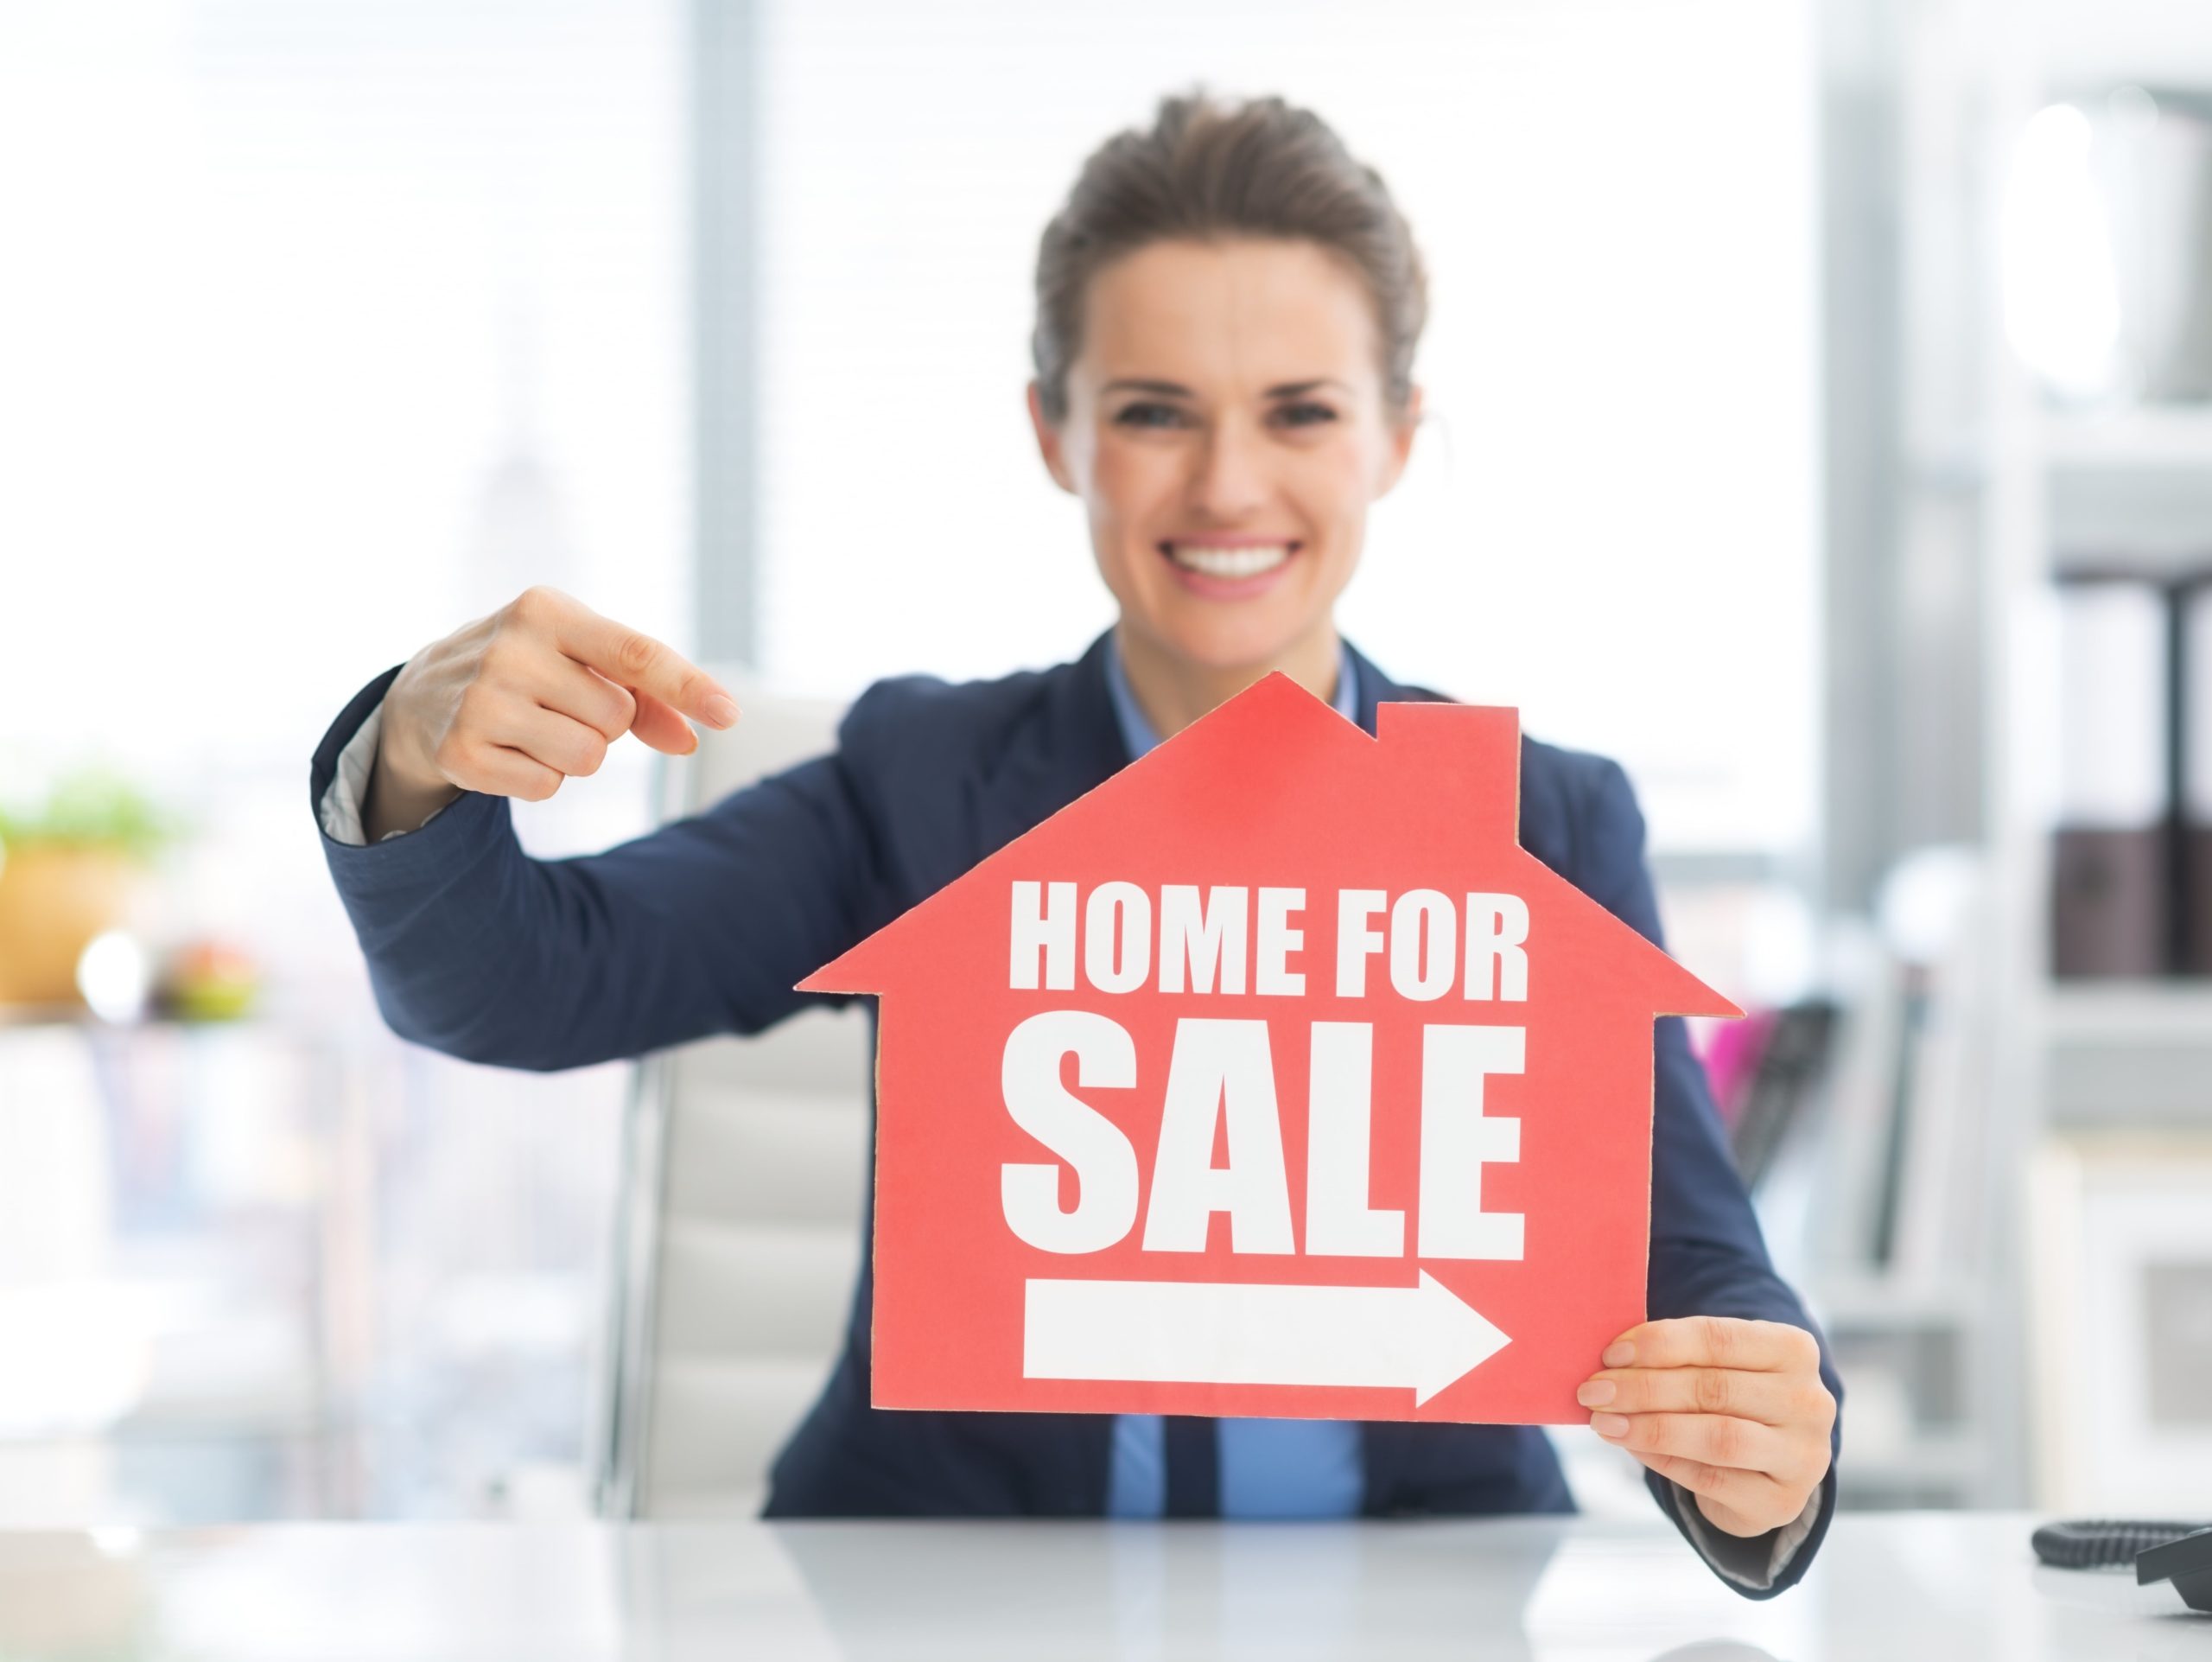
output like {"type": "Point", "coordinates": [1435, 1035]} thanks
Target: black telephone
{"type": "Point", "coordinates": [2180, 1553]}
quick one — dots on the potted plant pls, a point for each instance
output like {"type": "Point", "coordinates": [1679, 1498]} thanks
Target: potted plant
{"type": "Point", "coordinates": [69, 869]}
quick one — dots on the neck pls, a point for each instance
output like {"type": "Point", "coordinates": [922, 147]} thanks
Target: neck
{"type": "Point", "coordinates": [1173, 692]}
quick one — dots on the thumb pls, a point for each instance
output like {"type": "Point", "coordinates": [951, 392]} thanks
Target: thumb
{"type": "Point", "coordinates": [661, 725]}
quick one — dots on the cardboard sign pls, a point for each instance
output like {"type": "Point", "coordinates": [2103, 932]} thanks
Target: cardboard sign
{"type": "Point", "coordinates": [1271, 1077]}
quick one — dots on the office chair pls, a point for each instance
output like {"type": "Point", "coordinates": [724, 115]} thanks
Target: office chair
{"type": "Point", "coordinates": [737, 1230]}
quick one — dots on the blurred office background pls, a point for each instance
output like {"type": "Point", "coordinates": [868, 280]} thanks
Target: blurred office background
{"type": "Point", "coordinates": [1856, 352]}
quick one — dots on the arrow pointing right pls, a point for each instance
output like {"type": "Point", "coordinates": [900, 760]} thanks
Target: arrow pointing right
{"type": "Point", "coordinates": [1422, 1337]}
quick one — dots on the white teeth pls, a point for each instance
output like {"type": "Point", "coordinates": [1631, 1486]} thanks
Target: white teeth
{"type": "Point", "coordinates": [1229, 561]}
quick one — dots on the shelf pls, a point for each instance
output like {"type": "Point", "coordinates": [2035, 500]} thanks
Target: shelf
{"type": "Point", "coordinates": [2160, 439]}
{"type": "Point", "coordinates": [2130, 494]}
{"type": "Point", "coordinates": [1927, 1459]}
{"type": "Point", "coordinates": [2131, 1011]}
{"type": "Point", "coordinates": [1859, 1303]}
{"type": "Point", "coordinates": [2083, 50]}
{"type": "Point", "coordinates": [2130, 1052]}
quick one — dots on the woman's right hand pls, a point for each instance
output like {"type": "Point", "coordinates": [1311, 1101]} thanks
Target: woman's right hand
{"type": "Point", "coordinates": [518, 701]}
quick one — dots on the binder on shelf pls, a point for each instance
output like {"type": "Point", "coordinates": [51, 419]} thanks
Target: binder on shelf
{"type": "Point", "coordinates": [1946, 1104]}
{"type": "Point", "coordinates": [2193, 678]}
{"type": "Point", "coordinates": [1858, 1105]}
{"type": "Point", "coordinates": [1784, 1079]}
{"type": "Point", "coordinates": [2111, 894]}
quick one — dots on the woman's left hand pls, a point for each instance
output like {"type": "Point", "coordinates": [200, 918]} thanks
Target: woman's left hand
{"type": "Point", "coordinates": [1732, 1410]}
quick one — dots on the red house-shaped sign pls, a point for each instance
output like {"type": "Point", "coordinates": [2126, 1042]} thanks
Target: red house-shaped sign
{"type": "Point", "coordinates": [1270, 1076]}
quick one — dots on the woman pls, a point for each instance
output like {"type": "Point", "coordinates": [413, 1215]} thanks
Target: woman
{"type": "Point", "coordinates": [1228, 307]}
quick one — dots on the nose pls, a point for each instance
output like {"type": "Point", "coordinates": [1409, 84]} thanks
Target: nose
{"type": "Point", "coordinates": [1231, 476]}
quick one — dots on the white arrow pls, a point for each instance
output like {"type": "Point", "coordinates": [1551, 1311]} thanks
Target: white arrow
{"type": "Point", "coordinates": [1230, 1333]}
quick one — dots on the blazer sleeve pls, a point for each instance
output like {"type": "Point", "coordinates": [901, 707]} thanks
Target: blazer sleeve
{"type": "Point", "coordinates": [477, 949]}
{"type": "Point", "coordinates": [1707, 1256]}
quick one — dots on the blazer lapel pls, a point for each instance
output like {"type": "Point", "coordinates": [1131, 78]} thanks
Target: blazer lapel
{"type": "Point", "coordinates": [1068, 744]}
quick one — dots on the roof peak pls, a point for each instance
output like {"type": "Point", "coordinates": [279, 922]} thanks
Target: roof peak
{"type": "Point", "coordinates": [1206, 779]}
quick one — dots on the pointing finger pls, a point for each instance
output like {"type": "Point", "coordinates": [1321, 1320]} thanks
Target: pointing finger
{"type": "Point", "coordinates": [638, 661]}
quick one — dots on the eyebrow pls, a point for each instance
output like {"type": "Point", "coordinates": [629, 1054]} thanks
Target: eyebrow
{"type": "Point", "coordinates": [1176, 390]}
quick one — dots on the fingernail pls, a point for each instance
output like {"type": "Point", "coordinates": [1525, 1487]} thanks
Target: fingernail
{"type": "Point", "coordinates": [721, 708]}
{"type": "Point", "coordinates": [1610, 1425]}
{"type": "Point", "coordinates": [1594, 1393]}
{"type": "Point", "coordinates": [1618, 1354]}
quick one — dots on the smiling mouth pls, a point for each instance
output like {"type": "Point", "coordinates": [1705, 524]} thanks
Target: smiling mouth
{"type": "Point", "coordinates": [1229, 565]}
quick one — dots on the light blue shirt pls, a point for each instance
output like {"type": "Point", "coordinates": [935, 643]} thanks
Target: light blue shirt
{"type": "Point", "coordinates": [1270, 1468]}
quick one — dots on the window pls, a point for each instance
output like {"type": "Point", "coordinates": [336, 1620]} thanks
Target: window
{"type": "Point", "coordinates": [325, 328]}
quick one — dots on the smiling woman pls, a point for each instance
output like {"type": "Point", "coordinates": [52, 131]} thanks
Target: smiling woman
{"type": "Point", "coordinates": [1228, 306]}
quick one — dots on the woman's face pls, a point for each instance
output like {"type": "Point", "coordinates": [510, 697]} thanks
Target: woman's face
{"type": "Point", "coordinates": [1226, 431]}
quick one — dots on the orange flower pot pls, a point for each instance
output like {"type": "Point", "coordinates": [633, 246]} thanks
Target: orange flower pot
{"type": "Point", "coordinates": [54, 897]}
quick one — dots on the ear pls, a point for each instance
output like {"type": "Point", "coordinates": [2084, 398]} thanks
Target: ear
{"type": "Point", "coordinates": [1401, 444]}
{"type": "Point", "coordinates": [1048, 443]}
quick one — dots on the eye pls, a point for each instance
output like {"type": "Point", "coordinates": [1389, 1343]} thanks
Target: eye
{"type": "Point", "coordinates": [1310, 415]}
{"type": "Point", "coordinates": [1142, 415]}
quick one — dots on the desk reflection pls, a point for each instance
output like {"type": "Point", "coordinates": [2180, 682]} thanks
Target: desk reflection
{"type": "Point", "coordinates": [1138, 1591]}
{"type": "Point", "coordinates": [1892, 1588]}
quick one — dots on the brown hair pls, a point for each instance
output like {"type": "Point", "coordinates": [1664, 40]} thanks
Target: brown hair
{"type": "Point", "coordinates": [1209, 169]}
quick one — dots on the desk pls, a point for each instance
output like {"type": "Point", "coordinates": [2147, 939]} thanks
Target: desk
{"type": "Point", "coordinates": [1894, 1587]}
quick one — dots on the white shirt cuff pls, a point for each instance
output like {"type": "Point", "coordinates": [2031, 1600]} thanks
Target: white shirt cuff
{"type": "Point", "coordinates": [1787, 1539]}
{"type": "Point", "coordinates": [341, 808]}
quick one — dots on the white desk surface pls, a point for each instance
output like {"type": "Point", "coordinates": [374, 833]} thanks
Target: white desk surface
{"type": "Point", "coordinates": [1893, 1587]}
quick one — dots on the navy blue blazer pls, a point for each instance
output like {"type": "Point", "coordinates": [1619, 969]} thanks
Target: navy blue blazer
{"type": "Point", "coordinates": [702, 925]}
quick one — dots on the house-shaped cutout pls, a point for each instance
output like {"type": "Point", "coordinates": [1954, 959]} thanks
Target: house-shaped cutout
{"type": "Point", "coordinates": [1274, 790]}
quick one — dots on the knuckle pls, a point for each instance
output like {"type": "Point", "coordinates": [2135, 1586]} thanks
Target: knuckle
{"type": "Point", "coordinates": [1820, 1411]}
{"type": "Point", "coordinates": [537, 602]}
{"type": "Point", "coordinates": [1724, 1441]}
{"type": "Point", "coordinates": [691, 686]}
{"type": "Point", "coordinates": [1718, 1337]}
{"type": "Point", "coordinates": [591, 752]}
{"type": "Point", "coordinates": [635, 654]}
{"type": "Point", "coordinates": [1710, 1389]}
{"type": "Point", "coordinates": [620, 714]}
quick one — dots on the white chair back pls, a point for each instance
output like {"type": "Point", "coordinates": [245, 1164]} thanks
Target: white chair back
{"type": "Point", "coordinates": [737, 1239]}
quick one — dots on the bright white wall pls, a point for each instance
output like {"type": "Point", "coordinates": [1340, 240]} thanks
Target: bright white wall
{"type": "Point", "coordinates": [1610, 521]}
{"type": "Point", "coordinates": [286, 286]}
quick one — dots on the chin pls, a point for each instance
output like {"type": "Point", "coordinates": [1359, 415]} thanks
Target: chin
{"type": "Point", "coordinates": [1227, 643]}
